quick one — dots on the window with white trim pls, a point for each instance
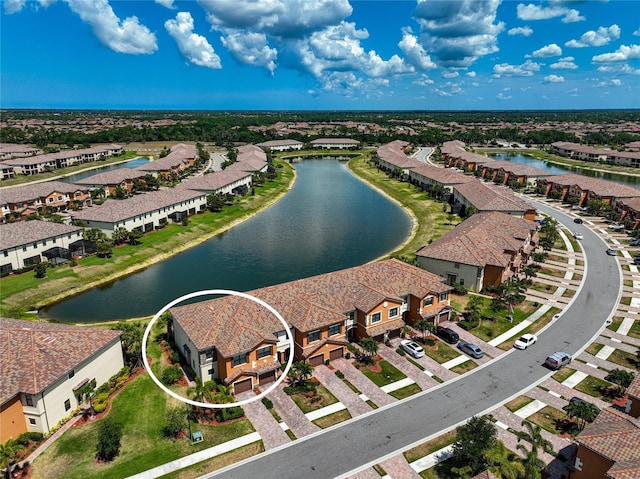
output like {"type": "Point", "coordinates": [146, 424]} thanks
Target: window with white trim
{"type": "Point", "coordinates": [376, 318]}
{"type": "Point", "coordinates": [444, 296]}
{"type": "Point", "coordinates": [393, 312]}
{"type": "Point", "coordinates": [67, 404]}
{"type": "Point", "coordinates": [32, 421]}
{"type": "Point", "coordinates": [28, 399]}
{"type": "Point", "coordinates": [428, 301]}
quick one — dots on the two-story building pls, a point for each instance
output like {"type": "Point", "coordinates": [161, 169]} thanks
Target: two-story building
{"type": "Point", "coordinates": [238, 342]}
{"type": "Point", "coordinates": [21, 201]}
{"type": "Point", "coordinates": [281, 145]}
{"type": "Point", "coordinates": [335, 144]}
{"type": "Point", "coordinates": [181, 157]}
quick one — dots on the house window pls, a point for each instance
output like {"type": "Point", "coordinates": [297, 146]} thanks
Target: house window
{"type": "Point", "coordinates": [334, 329]}
{"type": "Point", "coordinates": [5, 253]}
{"type": "Point", "coordinates": [461, 281]}
{"type": "Point", "coordinates": [210, 372]}
{"type": "Point", "coordinates": [208, 355]}
{"type": "Point", "coordinates": [376, 318]}
{"type": "Point", "coordinates": [428, 301]}
{"type": "Point", "coordinates": [24, 248]}
{"type": "Point", "coordinates": [393, 312]}
{"type": "Point", "coordinates": [67, 404]}
{"type": "Point", "coordinates": [32, 421]}
{"type": "Point", "coordinates": [239, 359]}
{"type": "Point", "coordinates": [314, 336]}
{"type": "Point", "coordinates": [443, 296]}
{"type": "Point", "coordinates": [456, 265]}
{"type": "Point", "coordinates": [264, 352]}
{"type": "Point", "coordinates": [28, 399]}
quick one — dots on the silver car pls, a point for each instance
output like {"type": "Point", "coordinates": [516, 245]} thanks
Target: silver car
{"type": "Point", "coordinates": [470, 349]}
{"type": "Point", "coordinates": [412, 348]}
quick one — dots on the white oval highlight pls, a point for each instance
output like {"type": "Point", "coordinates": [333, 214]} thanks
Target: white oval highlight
{"type": "Point", "coordinates": [210, 292]}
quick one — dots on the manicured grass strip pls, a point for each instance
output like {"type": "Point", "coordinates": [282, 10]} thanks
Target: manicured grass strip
{"type": "Point", "coordinates": [379, 470]}
{"type": "Point", "coordinates": [547, 418]}
{"type": "Point", "coordinates": [415, 363]}
{"type": "Point", "coordinates": [406, 391]}
{"type": "Point", "coordinates": [389, 374]}
{"type": "Point", "coordinates": [563, 374]}
{"type": "Point", "coordinates": [594, 348]}
{"type": "Point", "coordinates": [534, 328]}
{"type": "Point", "coordinates": [308, 404]}
{"type": "Point", "coordinates": [623, 358]}
{"type": "Point", "coordinates": [291, 435]}
{"type": "Point", "coordinates": [332, 419]}
{"type": "Point", "coordinates": [443, 353]}
{"type": "Point", "coordinates": [468, 365]}
{"type": "Point", "coordinates": [517, 403]}
{"type": "Point", "coordinates": [430, 447]}
{"type": "Point", "coordinates": [592, 386]}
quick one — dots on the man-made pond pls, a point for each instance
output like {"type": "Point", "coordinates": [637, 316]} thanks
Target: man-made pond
{"type": "Point", "coordinates": [329, 220]}
{"type": "Point", "coordinates": [85, 174]}
{"type": "Point", "coordinates": [558, 169]}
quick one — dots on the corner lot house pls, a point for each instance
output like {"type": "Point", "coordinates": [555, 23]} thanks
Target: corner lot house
{"type": "Point", "coordinates": [240, 343]}
{"type": "Point", "coordinates": [22, 201]}
{"type": "Point", "coordinates": [43, 365]}
{"type": "Point", "coordinates": [484, 250]}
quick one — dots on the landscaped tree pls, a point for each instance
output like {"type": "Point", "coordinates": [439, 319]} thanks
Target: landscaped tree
{"type": "Point", "coordinates": [583, 411]}
{"type": "Point", "coordinates": [474, 308]}
{"type": "Point", "coordinates": [132, 333]}
{"type": "Point", "coordinates": [532, 463]}
{"type": "Point", "coordinates": [40, 270]}
{"type": "Point", "coordinates": [8, 454]}
{"type": "Point", "coordinates": [109, 437]}
{"type": "Point", "coordinates": [94, 234]}
{"type": "Point", "coordinates": [424, 326]}
{"type": "Point", "coordinates": [119, 235]}
{"type": "Point", "coordinates": [299, 373]}
{"type": "Point", "coordinates": [504, 463]}
{"type": "Point", "coordinates": [369, 346]}
{"type": "Point", "coordinates": [215, 202]}
{"type": "Point", "coordinates": [104, 248]}
{"type": "Point", "coordinates": [175, 422]}
{"type": "Point", "coordinates": [621, 378]}
{"type": "Point", "coordinates": [474, 440]}
{"type": "Point", "coordinates": [495, 306]}
{"type": "Point", "coordinates": [134, 237]}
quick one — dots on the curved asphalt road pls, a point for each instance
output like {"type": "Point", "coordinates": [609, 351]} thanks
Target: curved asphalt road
{"type": "Point", "coordinates": [369, 439]}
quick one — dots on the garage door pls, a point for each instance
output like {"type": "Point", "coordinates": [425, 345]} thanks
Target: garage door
{"type": "Point", "coordinates": [316, 360]}
{"type": "Point", "coordinates": [242, 386]}
{"type": "Point", "coordinates": [336, 353]}
{"type": "Point", "coordinates": [266, 378]}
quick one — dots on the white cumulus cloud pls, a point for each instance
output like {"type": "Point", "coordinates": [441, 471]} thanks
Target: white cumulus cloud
{"type": "Point", "coordinates": [622, 54]}
{"type": "Point", "coordinates": [457, 33]}
{"type": "Point", "coordinates": [551, 50]}
{"type": "Point", "coordinates": [525, 70]}
{"type": "Point", "coordinates": [166, 3]}
{"type": "Point", "coordinates": [566, 63]}
{"type": "Point", "coordinates": [554, 79]}
{"type": "Point", "coordinates": [524, 31]}
{"type": "Point", "coordinates": [251, 49]}
{"type": "Point", "coordinates": [193, 47]}
{"type": "Point", "coordinates": [13, 6]}
{"type": "Point", "coordinates": [596, 38]}
{"type": "Point", "coordinates": [537, 12]}
{"type": "Point", "coordinates": [414, 53]}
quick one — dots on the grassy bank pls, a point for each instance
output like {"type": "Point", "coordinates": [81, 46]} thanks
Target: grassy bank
{"type": "Point", "coordinates": [23, 293]}
{"type": "Point", "coordinates": [429, 221]}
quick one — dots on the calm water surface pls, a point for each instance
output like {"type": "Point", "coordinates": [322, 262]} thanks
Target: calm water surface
{"type": "Point", "coordinates": [85, 174]}
{"type": "Point", "coordinates": [557, 169]}
{"type": "Point", "coordinates": [330, 220]}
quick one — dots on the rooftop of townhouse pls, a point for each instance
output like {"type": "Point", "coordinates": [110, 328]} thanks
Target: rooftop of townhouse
{"type": "Point", "coordinates": [13, 235]}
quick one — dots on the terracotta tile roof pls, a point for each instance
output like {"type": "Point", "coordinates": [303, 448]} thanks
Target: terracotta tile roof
{"type": "Point", "coordinates": [113, 177]}
{"type": "Point", "coordinates": [633, 203]}
{"type": "Point", "coordinates": [61, 155]}
{"type": "Point", "coordinates": [481, 240]}
{"type": "Point", "coordinates": [516, 168]}
{"type": "Point", "coordinates": [306, 304]}
{"type": "Point", "coordinates": [485, 475]}
{"type": "Point", "coordinates": [33, 191]}
{"type": "Point", "coordinates": [350, 141]}
{"type": "Point", "coordinates": [27, 232]}
{"type": "Point", "coordinates": [444, 176]}
{"type": "Point", "coordinates": [634, 387]}
{"type": "Point", "coordinates": [596, 185]}
{"type": "Point", "coordinates": [34, 355]}
{"type": "Point", "coordinates": [489, 197]}
{"type": "Point", "coordinates": [616, 437]}
{"type": "Point", "coordinates": [180, 154]}
{"type": "Point", "coordinates": [212, 182]}
{"type": "Point", "coordinates": [383, 328]}
{"type": "Point", "coordinates": [276, 143]}
{"type": "Point", "coordinates": [114, 210]}
{"type": "Point", "coordinates": [393, 154]}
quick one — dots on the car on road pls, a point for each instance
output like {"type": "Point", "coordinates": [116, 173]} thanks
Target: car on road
{"type": "Point", "coordinates": [578, 220]}
{"type": "Point", "coordinates": [578, 236]}
{"type": "Point", "coordinates": [635, 242]}
{"type": "Point", "coordinates": [557, 360]}
{"type": "Point", "coordinates": [412, 348]}
{"type": "Point", "coordinates": [616, 227]}
{"type": "Point", "coordinates": [611, 252]}
{"type": "Point", "coordinates": [524, 341]}
{"type": "Point", "coordinates": [470, 349]}
{"type": "Point", "coordinates": [448, 334]}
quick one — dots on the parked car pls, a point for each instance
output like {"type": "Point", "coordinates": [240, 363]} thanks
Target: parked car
{"type": "Point", "coordinates": [524, 341]}
{"type": "Point", "coordinates": [616, 227]}
{"type": "Point", "coordinates": [578, 220]}
{"type": "Point", "coordinates": [557, 360]}
{"type": "Point", "coordinates": [635, 242]}
{"type": "Point", "coordinates": [412, 348]}
{"type": "Point", "coordinates": [578, 236]}
{"type": "Point", "coordinates": [611, 252]}
{"type": "Point", "coordinates": [636, 260]}
{"type": "Point", "coordinates": [470, 349]}
{"type": "Point", "coordinates": [448, 334]}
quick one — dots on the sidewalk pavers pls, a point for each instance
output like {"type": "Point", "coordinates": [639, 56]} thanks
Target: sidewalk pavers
{"type": "Point", "coordinates": [408, 369]}
{"type": "Point", "coordinates": [432, 459]}
{"type": "Point", "coordinates": [291, 413]}
{"type": "Point", "coordinates": [602, 363]}
{"type": "Point", "coordinates": [263, 421]}
{"type": "Point", "coordinates": [340, 390]}
{"type": "Point", "coordinates": [389, 388]}
{"type": "Point", "coordinates": [363, 383]}
{"type": "Point", "coordinates": [397, 467]}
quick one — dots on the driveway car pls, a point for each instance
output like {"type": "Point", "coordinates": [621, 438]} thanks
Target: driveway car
{"type": "Point", "coordinates": [636, 260]}
{"type": "Point", "coordinates": [470, 349]}
{"type": "Point", "coordinates": [524, 341]}
{"type": "Point", "coordinates": [578, 220]}
{"type": "Point", "coordinates": [616, 227]}
{"type": "Point", "coordinates": [635, 242]}
{"type": "Point", "coordinates": [557, 360]}
{"type": "Point", "coordinates": [412, 348]}
{"type": "Point", "coordinates": [578, 236]}
{"type": "Point", "coordinates": [611, 252]}
{"type": "Point", "coordinates": [448, 334]}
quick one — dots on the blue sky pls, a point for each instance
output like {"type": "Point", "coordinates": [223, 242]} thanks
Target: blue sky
{"type": "Point", "coordinates": [320, 54]}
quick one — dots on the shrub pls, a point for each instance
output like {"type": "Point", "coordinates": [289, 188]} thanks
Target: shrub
{"type": "Point", "coordinates": [340, 374]}
{"type": "Point", "coordinates": [100, 402]}
{"type": "Point", "coordinates": [267, 403]}
{"type": "Point", "coordinates": [171, 375]}
{"type": "Point", "coordinates": [109, 436]}
{"type": "Point", "coordinates": [26, 437]}
{"type": "Point", "coordinates": [229, 413]}
{"type": "Point", "coordinates": [459, 289]}
{"type": "Point", "coordinates": [467, 325]}
{"type": "Point", "coordinates": [174, 422]}
{"type": "Point", "coordinates": [174, 357]}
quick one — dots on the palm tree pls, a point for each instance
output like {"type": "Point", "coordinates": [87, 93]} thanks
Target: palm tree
{"type": "Point", "coordinates": [532, 463]}
{"type": "Point", "coordinates": [503, 462]}
{"type": "Point", "coordinates": [8, 452]}
{"type": "Point", "coordinates": [582, 410]}
{"type": "Point", "coordinates": [462, 472]}
{"type": "Point", "coordinates": [369, 346]}
{"type": "Point", "coordinates": [300, 372]}
{"type": "Point", "coordinates": [474, 308]}
{"type": "Point", "coordinates": [423, 326]}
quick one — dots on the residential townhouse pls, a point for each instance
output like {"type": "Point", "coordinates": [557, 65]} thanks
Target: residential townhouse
{"type": "Point", "coordinates": [600, 155]}
{"type": "Point", "coordinates": [241, 343]}
{"type": "Point", "coordinates": [335, 144]}
{"type": "Point", "coordinates": [51, 161]}
{"type": "Point", "coordinates": [26, 243]}
{"type": "Point", "coordinates": [428, 176]}
{"type": "Point", "coordinates": [629, 210]}
{"type": "Point", "coordinates": [229, 180]}
{"type": "Point", "coordinates": [6, 172]}
{"type": "Point", "coordinates": [21, 201]}
{"type": "Point", "coordinates": [110, 181]}
{"type": "Point", "coordinates": [486, 197]}
{"type": "Point", "coordinates": [13, 150]}
{"type": "Point", "coordinates": [391, 158]}
{"type": "Point", "coordinates": [44, 365]}
{"type": "Point", "coordinates": [281, 145]}
{"type": "Point", "coordinates": [508, 173]}
{"type": "Point", "coordinates": [181, 157]}
{"type": "Point", "coordinates": [484, 250]}
{"type": "Point", "coordinates": [633, 398]}
{"type": "Point", "coordinates": [144, 212]}
{"type": "Point", "coordinates": [608, 448]}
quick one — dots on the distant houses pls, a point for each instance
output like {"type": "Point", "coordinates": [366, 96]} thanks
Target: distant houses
{"type": "Point", "coordinates": [44, 367]}
{"type": "Point", "coordinates": [599, 155]}
{"type": "Point", "coordinates": [281, 145]}
{"type": "Point", "coordinates": [335, 144]}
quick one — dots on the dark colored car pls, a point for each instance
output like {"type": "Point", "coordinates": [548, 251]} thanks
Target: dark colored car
{"type": "Point", "coordinates": [578, 220]}
{"type": "Point", "coordinates": [448, 334]}
{"type": "Point", "coordinates": [635, 242]}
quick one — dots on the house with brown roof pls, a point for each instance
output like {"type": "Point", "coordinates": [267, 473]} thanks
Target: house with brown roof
{"type": "Point", "coordinates": [43, 365]}
{"type": "Point", "coordinates": [633, 398]}
{"type": "Point", "coordinates": [484, 250]}
{"type": "Point", "coordinates": [6, 172]}
{"type": "Point", "coordinates": [428, 176]}
{"type": "Point", "coordinates": [241, 343]}
{"type": "Point", "coordinates": [629, 210]}
{"type": "Point", "coordinates": [487, 197]}
{"type": "Point", "coordinates": [335, 144]}
{"type": "Point", "coordinates": [580, 189]}
{"type": "Point", "coordinates": [181, 157]}
{"type": "Point", "coordinates": [21, 201]}
{"type": "Point", "coordinates": [391, 158]}
{"type": "Point", "coordinates": [110, 181]}
{"type": "Point", "coordinates": [608, 448]}
{"type": "Point", "coordinates": [281, 145]}
{"type": "Point", "coordinates": [26, 243]}
{"type": "Point", "coordinates": [13, 150]}
{"type": "Point", "coordinates": [32, 165]}
{"type": "Point", "coordinates": [230, 180]}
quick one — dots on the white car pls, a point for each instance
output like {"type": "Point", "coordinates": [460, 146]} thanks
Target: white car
{"type": "Point", "coordinates": [524, 341]}
{"type": "Point", "coordinates": [412, 348]}
{"type": "Point", "coordinates": [578, 236]}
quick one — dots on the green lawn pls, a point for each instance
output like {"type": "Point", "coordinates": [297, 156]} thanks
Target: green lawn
{"type": "Point", "coordinates": [321, 399]}
{"type": "Point", "coordinates": [406, 391]}
{"type": "Point", "coordinates": [517, 403]}
{"type": "Point", "coordinates": [592, 386]}
{"type": "Point", "coordinates": [443, 353]}
{"type": "Point", "coordinates": [623, 358]}
{"type": "Point", "coordinates": [332, 419]}
{"type": "Point", "coordinates": [547, 418]}
{"type": "Point", "coordinates": [563, 374]}
{"type": "Point", "coordinates": [468, 365]}
{"type": "Point", "coordinates": [389, 374]}
{"type": "Point", "coordinates": [430, 447]}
